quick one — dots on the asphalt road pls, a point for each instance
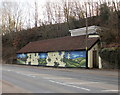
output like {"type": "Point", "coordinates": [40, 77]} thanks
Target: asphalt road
{"type": "Point", "coordinates": [31, 79]}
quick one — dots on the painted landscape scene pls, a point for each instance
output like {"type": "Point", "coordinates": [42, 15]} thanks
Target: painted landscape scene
{"type": "Point", "coordinates": [56, 59]}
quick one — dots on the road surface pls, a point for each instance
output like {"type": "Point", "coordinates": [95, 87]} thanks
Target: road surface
{"type": "Point", "coordinates": [33, 79]}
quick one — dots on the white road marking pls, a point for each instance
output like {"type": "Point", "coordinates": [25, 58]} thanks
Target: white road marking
{"type": "Point", "coordinates": [69, 85]}
{"type": "Point", "coordinates": [83, 83]}
{"type": "Point", "coordinates": [56, 78]}
{"type": "Point", "coordinates": [9, 70]}
{"type": "Point", "coordinates": [18, 72]}
{"type": "Point", "coordinates": [32, 76]}
{"type": "Point", "coordinates": [109, 90]}
{"type": "Point", "coordinates": [26, 74]}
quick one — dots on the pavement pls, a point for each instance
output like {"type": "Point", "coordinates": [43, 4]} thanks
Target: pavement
{"type": "Point", "coordinates": [33, 79]}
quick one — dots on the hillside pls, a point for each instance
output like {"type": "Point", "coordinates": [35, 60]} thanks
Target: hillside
{"type": "Point", "coordinates": [14, 41]}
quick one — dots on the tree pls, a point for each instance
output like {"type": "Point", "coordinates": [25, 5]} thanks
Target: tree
{"type": "Point", "coordinates": [36, 14]}
{"type": "Point", "coordinates": [104, 12]}
{"type": "Point", "coordinates": [11, 17]}
{"type": "Point", "coordinates": [109, 15]}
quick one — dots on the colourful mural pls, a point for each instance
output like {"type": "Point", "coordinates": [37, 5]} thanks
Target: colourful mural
{"type": "Point", "coordinates": [57, 59]}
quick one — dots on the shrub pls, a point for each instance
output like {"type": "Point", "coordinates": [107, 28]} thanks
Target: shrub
{"type": "Point", "coordinates": [111, 56]}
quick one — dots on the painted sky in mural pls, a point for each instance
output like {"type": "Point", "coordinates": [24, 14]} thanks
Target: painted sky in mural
{"type": "Point", "coordinates": [72, 54]}
{"type": "Point", "coordinates": [21, 55]}
{"type": "Point", "coordinates": [75, 54]}
{"type": "Point", "coordinates": [42, 55]}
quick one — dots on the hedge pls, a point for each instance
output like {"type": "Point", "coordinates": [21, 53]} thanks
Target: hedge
{"type": "Point", "coordinates": [111, 57]}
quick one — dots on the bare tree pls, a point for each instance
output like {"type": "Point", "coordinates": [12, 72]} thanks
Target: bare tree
{"type": "Point", "coordinates": [36, 14]}
{"type": "Point", "coordinates": [11, 17]}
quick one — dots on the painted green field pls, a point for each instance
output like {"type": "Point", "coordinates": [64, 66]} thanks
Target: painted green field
{"type": "Point", "coordinates": [78, 62]}
{"type": "Point", "coordinates": [21, 61]}
{"type": "Point", "coordinates": [42, 62]}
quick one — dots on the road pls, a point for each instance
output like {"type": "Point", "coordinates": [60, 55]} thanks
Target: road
{"type": "Point", "coordinates": [32, 79]}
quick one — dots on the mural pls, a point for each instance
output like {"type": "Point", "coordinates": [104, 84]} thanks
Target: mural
{"type": "Point", "coordinates": [21, 58]}
{"type": "Point", "coordinates": [57, 59]}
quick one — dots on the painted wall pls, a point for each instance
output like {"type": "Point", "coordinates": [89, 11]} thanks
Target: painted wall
{"type": "Point", "coordinates": [57, 59]}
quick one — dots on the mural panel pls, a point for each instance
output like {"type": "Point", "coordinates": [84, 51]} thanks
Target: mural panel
{"type": "Point", "coordinates": [57, 59]}
{"type": "Point", "coordinates": [21, 58]}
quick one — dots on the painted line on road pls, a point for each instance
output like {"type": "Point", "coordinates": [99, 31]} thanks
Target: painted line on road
{"type": "Point", "coordinates": [32, 76]}
{"type": "Point", "coordinates": [83, 83]}
{"type": "Point", "coordinates": [56, 78]}
{"type": "Point", "coordinates": [9, 70]}
{"type": "Point", "coordinates": [26, 74]}
{"type": "Point", "coordinates": [70, 85]}
{"type": "Point", "coordinates": [18, 72]}
{"type": "Point", "coordinates": [109, 90]}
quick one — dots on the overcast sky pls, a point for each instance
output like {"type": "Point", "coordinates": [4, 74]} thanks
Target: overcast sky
{"type": "Point", "coordinates": [43, 1]}
{"type": "Point", "coordinates": [28, 4]}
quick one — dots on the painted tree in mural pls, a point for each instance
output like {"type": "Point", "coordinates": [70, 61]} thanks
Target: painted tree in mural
{"type": "Point", "coordinates": [32, 59]}
{"type": "Point", "coordinates": [55, 59]}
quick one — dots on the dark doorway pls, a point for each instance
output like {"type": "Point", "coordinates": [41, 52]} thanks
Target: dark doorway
{"type": "Point", "coordinates": [95, 59]}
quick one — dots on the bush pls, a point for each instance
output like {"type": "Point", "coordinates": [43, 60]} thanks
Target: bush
{"type": "Point", "coordinates": [111, 57]}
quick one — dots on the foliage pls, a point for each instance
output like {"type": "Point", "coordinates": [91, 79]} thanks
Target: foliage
{"type": "Point", "coordinates": [104, 12]}
{"type": "Point", "coordinates": [110, 18]}
{"type": "Point", "coordinates": [111, 56]}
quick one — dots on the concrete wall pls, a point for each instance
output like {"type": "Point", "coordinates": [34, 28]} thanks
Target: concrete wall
{"type": "Point", "coordinates": [90, 57]}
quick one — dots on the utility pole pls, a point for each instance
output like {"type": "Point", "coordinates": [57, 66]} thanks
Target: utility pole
{"type": "Point", "coordinates": [86, 38]}
{"type": "Point", "coordinates": [86, 27]}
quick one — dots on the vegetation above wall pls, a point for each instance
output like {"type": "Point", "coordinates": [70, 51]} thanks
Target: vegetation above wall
{"type": "Point", "coordinates": [111, 57]}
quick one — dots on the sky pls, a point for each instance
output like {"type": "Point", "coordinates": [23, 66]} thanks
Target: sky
{"type": "Point", "coordinates": [28, 4]}
{"type": "Point", "coordinates": [43, 1]}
